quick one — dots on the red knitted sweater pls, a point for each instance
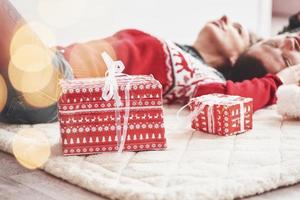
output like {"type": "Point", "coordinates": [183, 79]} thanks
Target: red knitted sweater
{"type": "Point", "coordinates": [182, 75]}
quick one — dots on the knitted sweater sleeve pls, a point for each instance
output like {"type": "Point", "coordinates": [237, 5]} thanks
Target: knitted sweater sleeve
{"type": "Point", "coordinates": [262, 90]}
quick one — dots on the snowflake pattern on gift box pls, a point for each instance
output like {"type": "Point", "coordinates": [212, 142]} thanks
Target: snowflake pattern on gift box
{"type": "Point", "coordinates": [108, 148]}
{"type": "Point", "coordinates": [88, 123]}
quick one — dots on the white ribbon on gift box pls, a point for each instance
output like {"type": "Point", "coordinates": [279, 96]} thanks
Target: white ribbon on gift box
{"type": "Point", "coordinates": [212, 100]}
{"type": "Point", "coordinates": [110, 90]}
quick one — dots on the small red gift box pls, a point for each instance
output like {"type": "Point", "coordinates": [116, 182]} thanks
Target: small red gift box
{"type": "Point", "coordinates": [88, 122]}
{"type": "Point", "coordinates": [222, 114]}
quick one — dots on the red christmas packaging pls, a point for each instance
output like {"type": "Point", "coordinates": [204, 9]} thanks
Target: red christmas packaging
{"type": "Point", "coordinates": [116, 113]}
{"type": "Point", "coordinates": [222, 114]}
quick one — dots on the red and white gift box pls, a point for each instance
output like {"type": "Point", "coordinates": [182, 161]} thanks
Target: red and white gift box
{"type": "Point", "coordinates": [222, 114]}
{"type": "Point", "coordinates": [116, 113]}
{"type": "Point", "coordinates": [88, 122]}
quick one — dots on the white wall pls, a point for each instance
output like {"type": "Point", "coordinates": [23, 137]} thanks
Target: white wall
{"type": "Point", "coordinates": [177, 20]}
{"type": "Point", "coordinates": [286, 7]}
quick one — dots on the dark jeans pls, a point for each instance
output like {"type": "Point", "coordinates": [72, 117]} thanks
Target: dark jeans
{"type": "Point", "coordinates": [16, 111]}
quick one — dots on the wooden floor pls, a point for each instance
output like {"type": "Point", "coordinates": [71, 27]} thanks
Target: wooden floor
{"type": "Point", "coordinates": [19, 183]}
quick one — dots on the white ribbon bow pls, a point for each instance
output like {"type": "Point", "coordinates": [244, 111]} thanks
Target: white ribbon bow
{"type": "Point", "coordinates": [110, 89]}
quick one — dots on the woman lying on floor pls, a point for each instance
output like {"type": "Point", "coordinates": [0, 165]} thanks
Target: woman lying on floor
{"type": "Point", "coordinates": [184, 71]}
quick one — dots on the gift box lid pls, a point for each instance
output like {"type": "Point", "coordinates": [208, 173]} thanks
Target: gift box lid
{"type": "Point", "coordinates": [136, 82]}
{"type": "Point", "coordinates": [221, 99]}
{"type": "Point", "coordinates": [89, 90]}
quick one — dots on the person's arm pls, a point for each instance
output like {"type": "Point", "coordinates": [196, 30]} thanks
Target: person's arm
{"type": "Point", "coordinates": [141, 53]}
{"type": "Point", "coordinates": [262, 90]}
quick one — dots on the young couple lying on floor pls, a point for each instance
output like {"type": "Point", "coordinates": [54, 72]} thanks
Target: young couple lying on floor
{"type": "Point", "coordinates": [223, 59]}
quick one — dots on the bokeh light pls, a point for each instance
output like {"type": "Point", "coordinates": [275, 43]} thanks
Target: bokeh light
{"type": "Point", "coordinates": [34, 34]}
{"type": "Point", "coordinates": [86, 60]}
{"type": "Point", "coordinates": [30, 81]}
{"type": "Point", "coordinates": [3, 93]}
{"type": "Point", "coordinates": [32, 58]}
{"type": "Point", "coordinates": [47, 96]}
{"type": "Point", "coordinates": [31, 148]}
{"type": "Point", "coordinates": [45, 34]}
{"type": "Point", "coordinates": [31, 70]}
{"type": "Point", "coordinates": [62, 13]}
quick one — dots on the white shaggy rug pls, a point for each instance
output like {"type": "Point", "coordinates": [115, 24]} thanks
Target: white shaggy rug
{"type": "Point", "coordinates": [194, 166]}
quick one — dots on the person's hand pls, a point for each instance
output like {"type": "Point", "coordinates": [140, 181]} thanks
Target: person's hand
{"type": "Point", "coordinates": [290, 75]}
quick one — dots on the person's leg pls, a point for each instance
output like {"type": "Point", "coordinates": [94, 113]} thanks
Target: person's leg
{"type": "Point", "coordinates": [25, 105]}
{"type": "Point", "coordinates": [10, 21]}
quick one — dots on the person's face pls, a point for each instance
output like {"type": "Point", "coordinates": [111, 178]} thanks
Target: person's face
{"type": "Point", "coordinates": [278, 52]}
{"type": "Point", "coordinates": [224, 38]}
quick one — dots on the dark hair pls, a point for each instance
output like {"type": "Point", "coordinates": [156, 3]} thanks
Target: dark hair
{"type": "Point", "coordinates": [245, 68]}
{"type": "Point", "coordinates": [226, 68]}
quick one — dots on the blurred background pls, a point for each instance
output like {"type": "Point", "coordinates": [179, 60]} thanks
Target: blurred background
{"type": "Point", "coordinates": [281, 10]}
{"type": "Point", "coordinates": [176, 20]}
